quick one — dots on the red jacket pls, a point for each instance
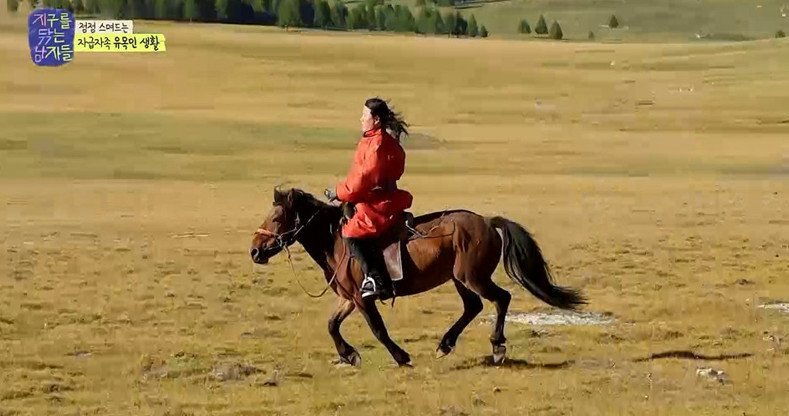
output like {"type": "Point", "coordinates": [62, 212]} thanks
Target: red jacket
{"type": "Point", "coordinates": [371, 185]}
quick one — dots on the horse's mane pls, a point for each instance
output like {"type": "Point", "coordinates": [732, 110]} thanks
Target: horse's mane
{"type": "Point", "coordinates": [304, 201]}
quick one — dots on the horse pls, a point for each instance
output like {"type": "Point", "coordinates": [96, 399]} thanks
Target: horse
{"type": "Point", "coordinates": [457, 245]}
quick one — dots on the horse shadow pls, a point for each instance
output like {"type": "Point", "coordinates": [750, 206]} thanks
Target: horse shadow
{"type": "Point", "coordinates": [514, 363]}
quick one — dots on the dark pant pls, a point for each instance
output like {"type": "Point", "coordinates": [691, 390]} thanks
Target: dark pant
{"type": "Point", "coordinates": [370, 258]}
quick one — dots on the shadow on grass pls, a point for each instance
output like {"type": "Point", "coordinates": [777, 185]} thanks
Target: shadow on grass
{"type": "Point", "coordinates": [690, 355]}
{"type": "Point", "coordinates": [515, 363]}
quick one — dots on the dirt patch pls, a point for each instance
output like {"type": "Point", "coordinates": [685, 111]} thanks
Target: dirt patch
{"type": "Point", "coordinates": [232, 371]}
{"type": "Point", "coordinates": [779, 306]}
{"type": "Point", "coordinates": [558, 318]}
{"type": "Point", "coordinates": [713, 375]}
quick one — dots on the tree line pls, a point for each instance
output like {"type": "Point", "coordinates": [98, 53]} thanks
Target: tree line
{"type": "Point", "coordinates": [555, 31]}
{"type": "Point", "coordinates": [321, 14]}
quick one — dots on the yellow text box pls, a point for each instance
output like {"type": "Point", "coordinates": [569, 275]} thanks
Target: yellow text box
{"type": "Point", "coordinates": [119, 42]}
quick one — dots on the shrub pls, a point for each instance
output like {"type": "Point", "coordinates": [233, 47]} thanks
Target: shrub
{"type": "Point", "coordinates": [523, 27]}
{"type": "Point", "coordinates": [542, 27]}
{"type": "Point", "coordinates": [556, 31]}
{"type": "Point", "coordinates": [613, 22]}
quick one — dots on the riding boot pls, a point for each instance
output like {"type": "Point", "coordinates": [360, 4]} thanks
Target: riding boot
{"type": "Point", "coordinates": [371, 260]}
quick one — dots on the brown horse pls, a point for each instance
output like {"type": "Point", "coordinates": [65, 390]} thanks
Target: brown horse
{"type": "Point", "coordinates": [455, 245]}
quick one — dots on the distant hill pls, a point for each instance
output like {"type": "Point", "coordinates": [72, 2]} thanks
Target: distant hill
{"type": "Point", "coordinates": [640, 20]}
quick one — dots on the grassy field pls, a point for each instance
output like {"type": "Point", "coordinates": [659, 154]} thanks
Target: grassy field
{"type": "Point", "coordinates": [653, 176]}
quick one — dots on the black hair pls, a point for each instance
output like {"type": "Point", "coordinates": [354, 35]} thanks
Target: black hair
{"type": "Point", "coordinates": [388, 118]}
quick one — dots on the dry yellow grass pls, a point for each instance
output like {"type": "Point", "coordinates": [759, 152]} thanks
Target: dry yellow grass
{"type": "Point", "coordinates": [126, 281]}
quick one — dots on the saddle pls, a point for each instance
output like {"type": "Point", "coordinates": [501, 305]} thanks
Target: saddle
{"type": "Point", "coordinates": [394, 244]}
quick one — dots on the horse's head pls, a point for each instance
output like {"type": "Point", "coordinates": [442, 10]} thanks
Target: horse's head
{"type": "Point", "coordinates": [279, 229]}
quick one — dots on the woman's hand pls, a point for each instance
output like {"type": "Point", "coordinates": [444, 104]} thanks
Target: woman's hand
{"type": "Point", "coordinates": [348, 210]}
{"type": "Point", "coordinates": [331, 194]}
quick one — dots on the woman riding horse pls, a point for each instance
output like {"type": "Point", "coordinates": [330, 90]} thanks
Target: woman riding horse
{"type": "Point", "coordinates": [371, 186]}
{"type": "Point", "coordinates": [458, 245]}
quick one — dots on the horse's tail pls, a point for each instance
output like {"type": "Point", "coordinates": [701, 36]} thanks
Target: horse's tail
{"type": "Point", "coordinates": [525, 265]}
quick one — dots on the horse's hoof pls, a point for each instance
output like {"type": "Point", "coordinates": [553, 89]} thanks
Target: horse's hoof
{"type": "Point", "coordinates": [352, 360]}
{"type": "Point", "coordinates": [499, 354]}
{"type": "Point", "coordinates": [340, 363]}
{"type": "Point", "coordinates": [408, 364]}
{"type": "Point", "coordinates": [355, 359]}
{"type": "Point", "coordinates": [443, 351]}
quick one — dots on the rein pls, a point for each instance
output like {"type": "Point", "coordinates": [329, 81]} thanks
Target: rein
{"type": "Point", "coordinates": [284, 245]}
{"type": "Point", "coordinates": [328, 285]}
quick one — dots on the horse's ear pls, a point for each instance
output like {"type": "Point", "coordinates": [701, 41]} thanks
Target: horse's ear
{"type": "Point", "coordinates": [283, 198]}
{"type": "Point", "coordinates": [278, 196]}
{"type": "Point", "coordinates": [289, 198]}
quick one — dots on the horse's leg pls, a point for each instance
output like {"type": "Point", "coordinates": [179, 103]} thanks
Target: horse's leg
{"type": "Point", "coordinates": [348, 354]}
{"type": "Point", "coordinates": [501, 298]}
{"type": "Point", "coordinates": [472, 306]}
{"type": "Point", "coordinates": [376, 323]}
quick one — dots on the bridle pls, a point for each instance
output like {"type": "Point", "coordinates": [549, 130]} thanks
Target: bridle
{"type": "Point", "coordinates": [283, 240]}
{"type": "Point", "coordinates": [283, 243]}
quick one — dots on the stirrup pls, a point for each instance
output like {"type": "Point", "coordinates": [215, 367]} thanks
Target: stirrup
{"type": "Point", "coordinates": [371, 288]}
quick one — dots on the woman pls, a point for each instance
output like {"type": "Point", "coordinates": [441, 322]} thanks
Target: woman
{"type": "Point", "coordinates": [371, 185]}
